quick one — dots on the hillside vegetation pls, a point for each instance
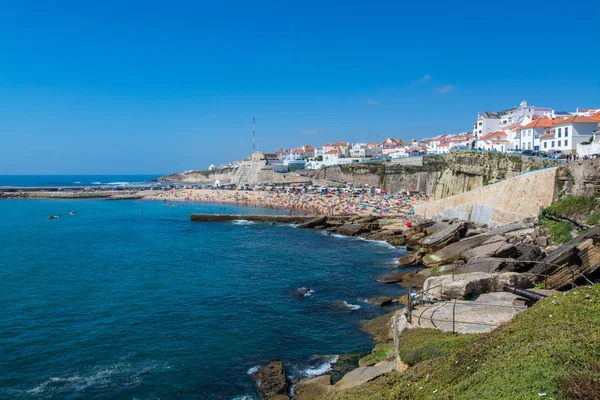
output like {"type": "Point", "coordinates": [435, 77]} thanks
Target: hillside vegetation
{"type": "Point", "coordinates": [551, 351]}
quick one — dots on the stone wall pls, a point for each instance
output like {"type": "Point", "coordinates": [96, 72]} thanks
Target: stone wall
{"type": "Point", "coordinates": [504, 202]}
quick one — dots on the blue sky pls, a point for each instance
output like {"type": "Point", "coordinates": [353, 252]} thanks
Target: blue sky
{"type": "Point", "coordinates": [156, 87]}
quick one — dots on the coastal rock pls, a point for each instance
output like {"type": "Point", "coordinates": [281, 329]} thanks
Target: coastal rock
{"type": "Point", "coordinates": [410, 260]}
{"type": "Point", "coordinates": [460, 286]}
{"type": "Point", "coordinates": [415, 239]}
{"type": "Point", "coordinates": [380, 328]}
{"type": "Point", "coordinates": [412, 279]}
{"type": "Point", "coordinates": [302, 292]}
{"type": "Point", "coordinates": [495, 246]}
{"type": "Point", "coordinates": [271, 381]}
{"type": "Point", "coordinates": [381, 352]}
{"type": "Point", "coordinates": [350, 229]}
{"type": "Point", "coordinates": [380, 300]}
{"type": "Point", "coordinates": [321, 220]}
{"type": "Point", "coordinates": [485, 265]}
{"type": "Point", "coordinates": [453, 252]}
{"type": "Point", "coordinates": [367, 220]}
{"type": "Point", "coordinates": [313, 389]}
{"type": "Point", "coordinates": [343, 306]}
{"type": "Point", "coordinates": [401, 299]}
{"type": "Point", "coordinates": [344, 364]}
{"type": "Point", "coordinates": [435, 228]}
{"type": "Point", "coordinates": [364, 374]}
{"type": "Point", "coordinates": [446, 236]}
{"type": "Point", "coordinates": [391, 277]}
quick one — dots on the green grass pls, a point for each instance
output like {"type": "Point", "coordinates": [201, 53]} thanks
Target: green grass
{"type": "Point", "coordinates": [552, 348]}
{"type": "Point", "coordinates": [560, 231]}
{"type": "Point", "coordinates": [381, 352]}
{"type": "Point", "coordinates": [572, 206]}
{"type": "Point", "coordinates": [417, 345]}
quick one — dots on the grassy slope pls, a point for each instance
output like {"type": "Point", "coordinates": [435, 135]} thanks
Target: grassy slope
{"type": "Point", "coordinates": [552, 348]}
{"type": "Point", "coordinates": [581, 209]}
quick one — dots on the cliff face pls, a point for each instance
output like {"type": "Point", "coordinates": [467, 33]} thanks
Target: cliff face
{"type": "Point", "coordinates": [442, 175]}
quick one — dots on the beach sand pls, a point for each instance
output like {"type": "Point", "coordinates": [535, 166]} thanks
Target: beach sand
{"type": "Point", "coordinates": [299, 203]}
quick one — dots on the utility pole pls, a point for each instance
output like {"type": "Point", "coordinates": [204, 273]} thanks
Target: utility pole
{"type": "Point", "coordinates": [253, 132]}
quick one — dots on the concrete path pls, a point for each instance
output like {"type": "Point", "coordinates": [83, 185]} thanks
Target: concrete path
{"type": "Point", "coordinates": [481, 315]}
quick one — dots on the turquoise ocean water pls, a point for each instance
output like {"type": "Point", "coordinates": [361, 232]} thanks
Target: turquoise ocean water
{"type": "Point", "coordinates": [112, 303]}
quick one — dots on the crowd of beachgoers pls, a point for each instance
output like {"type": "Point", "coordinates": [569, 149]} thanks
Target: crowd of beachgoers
{"type": "Point", "coordinates": [298, 202]}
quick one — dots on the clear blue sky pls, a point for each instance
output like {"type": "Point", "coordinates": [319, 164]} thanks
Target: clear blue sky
{"type": "Point", "coordinates": [156, 87]}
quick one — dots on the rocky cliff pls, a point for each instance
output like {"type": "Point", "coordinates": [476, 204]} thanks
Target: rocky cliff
{"type": "Point", "coordinates": [442, 175]}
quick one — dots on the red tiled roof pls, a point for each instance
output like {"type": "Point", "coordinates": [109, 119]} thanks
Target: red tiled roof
{"type": "Point", "coordinates": [543, 122]}
{"type": "Point", "coordinates": [492, 134]}
{"type": "Point", "coordinates": [445, 144]}
{"type": "Point", "coordinates": [547, 136]}
{"type": "Point", "coordinates": [340, 144]}
{"type": "Point", "coordinates": [576, 120]}
{"type": "Point", "coordinates": [333, 152]}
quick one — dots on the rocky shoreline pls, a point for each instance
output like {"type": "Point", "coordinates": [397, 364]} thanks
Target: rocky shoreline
{"type": "Point", "coordinates": [520, 254]}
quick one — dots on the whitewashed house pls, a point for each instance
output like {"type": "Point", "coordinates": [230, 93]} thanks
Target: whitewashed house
{"type": "Point", "coordinates": [529, 136]}
{"type": "Point", "coordinates": [571, 131]}
{"type": "Point", "coordinates": [364, 150]}
{"type": "Point", "coordinates": [332, 157]}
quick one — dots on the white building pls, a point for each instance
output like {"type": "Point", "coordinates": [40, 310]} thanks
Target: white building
{"type": "Point", "coordinates": [496, 141]}
{"type": "Point", "coordinates": [571, 131]}
{"type": "Point", "coordinates": [364, 150]}
{"type": "Point", "coordinates": [332, 157]}
{"type": "Point", "coordinates": [529, 135]}
{"type": "Point", "coordinates": [489, 122]}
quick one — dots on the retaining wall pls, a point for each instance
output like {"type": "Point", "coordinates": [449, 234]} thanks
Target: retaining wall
{"type": "Point", "coordinates": [504, 202]}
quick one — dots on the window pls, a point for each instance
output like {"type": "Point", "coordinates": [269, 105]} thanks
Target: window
{"type": "Point", "coordinates": [480, 123]}
{"type": "Point", "coordinates": [559, 132]}
{"type": "Point", "coordinates": [566, 132]}
{"type": "Point", "coordinates": [552, 144]}
{"type": "Point", "coordinates": [545, 145]}
{"type": "Point", "coordinates": [566, 143]}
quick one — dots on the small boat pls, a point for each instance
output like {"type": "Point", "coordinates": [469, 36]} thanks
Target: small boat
{"type": "Point", "coordinates": [53, 216]}
{"type": "Point", "coordinates": [72, 213]}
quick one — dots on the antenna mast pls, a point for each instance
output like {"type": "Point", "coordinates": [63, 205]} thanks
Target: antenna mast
{"type": "Point", "coordinates": [253, 131]}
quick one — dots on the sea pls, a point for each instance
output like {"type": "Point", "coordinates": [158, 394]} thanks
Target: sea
{"type": "Point", "coordinates": [132, 300]}
{"type": "Point", "coordinates": [76, 180]}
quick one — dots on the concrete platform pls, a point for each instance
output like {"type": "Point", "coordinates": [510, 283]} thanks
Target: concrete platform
{"type": "Point", "coordinates": [283, 219]}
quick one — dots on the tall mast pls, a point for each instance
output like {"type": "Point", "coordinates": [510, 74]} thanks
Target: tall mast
{"type": "Point", "coordinates": [253, 131]}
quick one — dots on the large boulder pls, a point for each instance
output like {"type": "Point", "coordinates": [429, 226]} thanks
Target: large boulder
{"type": "Point", "coordinates": [460, 286]}
{"type": "Point", "coordinates": [393, 276]}
{"type": "Point", "coordinates": [271, 381]}
{"type": "Point", "coordinates": [321, 220]}
{"type": "Point", "coordinates": [351, 229]}
{"type": "Point", "coordinates": [313, 389]}
{"type": "Point", "coordinates": [380, 301]}
{"type": "Point", "coordinates": [410, 260]}
{"type": "Point", "coordinates": [485, 265]}
{"type": "Point", "coordinates": [453, 252]}
{"type": "Point", "coordinates": [494, 246]}
{"type": "Point", "coordinates": [444, 237]}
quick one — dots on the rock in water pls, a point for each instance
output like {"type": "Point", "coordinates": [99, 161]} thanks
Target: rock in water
{"type": "Point", "coordinates": [380, 300]}
{"type": "Point", "coordinates": [410, 260]}
{"type": "Point", "coordinates": [314, 222]}
{"type": "Point", "coordinates": [391, 277]}
{"type": "Point", "coordinates": [271, 380]}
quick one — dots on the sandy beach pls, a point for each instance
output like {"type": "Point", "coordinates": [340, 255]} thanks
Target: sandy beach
{"type": "Point", "coordinates": [301, 203]}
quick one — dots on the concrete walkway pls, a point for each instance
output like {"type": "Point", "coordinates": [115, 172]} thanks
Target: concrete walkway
{"type": "Point", "coordinates": [481, 315]}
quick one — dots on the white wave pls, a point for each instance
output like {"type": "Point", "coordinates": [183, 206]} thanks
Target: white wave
{"type": "Point", "coordinates": [118, 183]}
{"type": "Point", "coordinates": [99, 378]}
{"type": "Point", "coordinates": [380, 242]}
{"type": "Point", "coordinates": [242, 222]}
{"type": "Point", "coordinates": [320, 369]}
{"type": "Point", "coordinates": [351, 306]}
{"type": "Point", "coordinates": [76, 182]}
{"type": "Point", "coordinates": [96, 183]}
{"type": "Point", "coordinates": [253, 370]}
{"type": "Point", "coordinates": [306, 291]}
{"type": "Point", "coordinates": [244, 397]}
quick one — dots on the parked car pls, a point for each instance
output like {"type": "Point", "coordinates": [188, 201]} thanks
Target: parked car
{"type": "Point", "coordinates": [557, 154]}
{"type": "Point", "coordinates": [530, 153]}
